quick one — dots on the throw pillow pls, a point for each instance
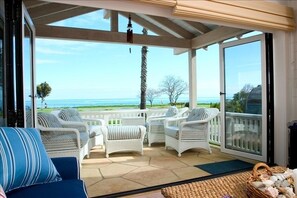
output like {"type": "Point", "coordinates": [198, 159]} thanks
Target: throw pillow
{"type": "Point", "coordinates": [23, 160]}
{"type": "Point", "coordinates": [70, 114]}
{"type": "Point", "coordinates": [2, 193]}
{"type": "Point", "coordinates": [48, 120]}
{"type": "Point", "coordinates": [198, 114]}
{"type": "Point", "coordinates": [172, 111]}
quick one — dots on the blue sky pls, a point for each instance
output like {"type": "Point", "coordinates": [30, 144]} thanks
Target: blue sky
{"type": "Point", "coordinates": [85, 70]}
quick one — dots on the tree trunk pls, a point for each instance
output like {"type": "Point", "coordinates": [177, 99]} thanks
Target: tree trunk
{"type": "Point", "coordinates": [143, 74]}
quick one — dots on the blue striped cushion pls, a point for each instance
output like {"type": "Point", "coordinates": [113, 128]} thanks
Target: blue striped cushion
{"type": "Point", "coordinates": [23, 160]}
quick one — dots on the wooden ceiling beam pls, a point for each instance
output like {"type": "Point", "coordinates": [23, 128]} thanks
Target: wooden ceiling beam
{"type": "Point", "coordinates": [32, 4]}
{"type": "Point", "coordinates": [49, 9]}
{"type": "Point", "coordinates": [63, 15]}
{"type": "Point", "coordinates": [54, 32]}
{"type": "Point", "coordinates": [217, 35]}
{"type": "Point", "coordinates": [202, 29]}
{"type": "Point", "coordinates": [173, 28]}
{"type": "Point", "coordinates": [144, 23]}
{"type": "Point", "coordinates": [114, 21]}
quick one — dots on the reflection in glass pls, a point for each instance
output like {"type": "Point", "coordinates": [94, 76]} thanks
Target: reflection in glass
{"type": "Point", "coordinates": [28, 74]}
{"type": "Point", "coordinates": [243, 99]}
{"type": "Point", "coordinates": [2, 116]}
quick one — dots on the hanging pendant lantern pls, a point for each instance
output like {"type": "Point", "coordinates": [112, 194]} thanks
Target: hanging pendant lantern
{"type": "Point", "coordinates": [129, 31]}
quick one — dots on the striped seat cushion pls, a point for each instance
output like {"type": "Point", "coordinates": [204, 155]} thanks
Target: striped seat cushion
{"type": "Point", "coordinates": [195, 132]}
{"type": "Point", "coordinates": [123, 132]}
{"type": "Point", "coordinates": [23, 159]}
{"type": "Point", "coordinates": [69, 141]}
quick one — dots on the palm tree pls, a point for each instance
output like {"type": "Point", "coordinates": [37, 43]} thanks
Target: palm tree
{"type": "Point", "coordinates": [143, 74]}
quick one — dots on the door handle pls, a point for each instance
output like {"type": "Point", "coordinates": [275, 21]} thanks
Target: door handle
{"type": "Point", "coordinates": [222, 93]}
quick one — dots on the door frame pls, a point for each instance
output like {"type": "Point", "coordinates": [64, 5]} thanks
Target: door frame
{"type": "Point", "coordinates": [27, 19]}
{"type": "Point", "coordinates": [241, 41]}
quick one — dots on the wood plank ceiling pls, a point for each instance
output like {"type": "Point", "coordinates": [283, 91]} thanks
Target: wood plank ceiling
{"type": "Point", "coordinates": [178, 34]}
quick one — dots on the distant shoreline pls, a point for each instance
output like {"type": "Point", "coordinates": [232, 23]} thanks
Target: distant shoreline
{"type": "Point", "coordinates": [121, 102]}
{"type": "Point", "coordinates": [119, 107]}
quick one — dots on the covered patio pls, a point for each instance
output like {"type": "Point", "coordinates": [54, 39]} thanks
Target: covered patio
{"type": "Point", "coordinates": [185, 27]}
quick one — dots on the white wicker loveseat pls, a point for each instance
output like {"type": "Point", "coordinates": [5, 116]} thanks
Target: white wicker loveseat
{"type": "Point", "coordinates": [123, 138]}
{"type": "Point", "coordinates": [190, 132]}
{"type": "Point", "coordinates": [62, 139]}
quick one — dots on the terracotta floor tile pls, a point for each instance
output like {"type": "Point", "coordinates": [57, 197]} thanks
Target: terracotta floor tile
{"type": "Point", "coordinates": [130, 170]}
{"type": "Point", "coordinates": [190, 173]}
{"type": "Point", "coordinates": [151, 176]}
{"type": "Point", "coordinates": [116, 170]}
{"type": "Point", "coordinates": [166, 162]}
{"type": "Point", "coordinates": [90, 176]}
{"type": "Point", "coordinates": [112, 185]}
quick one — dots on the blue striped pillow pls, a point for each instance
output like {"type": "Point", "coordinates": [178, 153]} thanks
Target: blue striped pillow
{"type": "Point", "coordinates": [23, 160]}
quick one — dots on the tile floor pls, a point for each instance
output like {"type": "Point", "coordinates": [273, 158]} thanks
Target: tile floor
{"type": "Point", "coordinates": [129, 171]}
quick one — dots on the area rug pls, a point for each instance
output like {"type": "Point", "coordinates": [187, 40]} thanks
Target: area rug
{"type": "Point", "coordinates": [226, 167]}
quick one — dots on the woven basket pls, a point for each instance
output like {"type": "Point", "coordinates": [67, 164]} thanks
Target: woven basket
{"type": "Point", "coordinates": [252, 191]}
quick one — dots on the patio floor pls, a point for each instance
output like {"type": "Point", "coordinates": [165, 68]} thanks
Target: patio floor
{"type": "Point", "coordinates": [129, 171]}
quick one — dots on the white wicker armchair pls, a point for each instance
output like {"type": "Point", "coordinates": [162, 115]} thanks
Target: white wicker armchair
{"type": "Point", "coordinates": [189, 132]}
{"type": "Point", "coordinates": [62, 139]}
{"type": "Point", "coordinates": [92, 126]}
{"type": "Point", "coordinates": [155, 124]}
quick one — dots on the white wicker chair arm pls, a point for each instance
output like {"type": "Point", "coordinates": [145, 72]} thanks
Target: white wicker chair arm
{"type": "Point", "coordinates": [77, 125]}
{"type": "Point", "coordinates": [196, 122]}
{"type": "Point", "coordinates": [62, 130]}
{"type": "Point", "coordinates": [155, 117]}
{"type": "Point", "coordinates": [156, 120]}
{"type": "Point", "coordinates": [173, 121]}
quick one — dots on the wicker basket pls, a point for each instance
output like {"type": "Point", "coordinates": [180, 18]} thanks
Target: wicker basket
{"type": "Point", "coordinates": [253, 192]}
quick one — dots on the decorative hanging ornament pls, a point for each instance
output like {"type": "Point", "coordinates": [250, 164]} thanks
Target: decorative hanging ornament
{"type": "Point", "coordinates": [129, 31]}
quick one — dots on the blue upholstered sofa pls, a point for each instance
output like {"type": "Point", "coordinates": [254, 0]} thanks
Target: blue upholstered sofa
{"type": "Point", "coordinates": [27, 171]}
{"type": "Point", "coordinates": [70, 186]}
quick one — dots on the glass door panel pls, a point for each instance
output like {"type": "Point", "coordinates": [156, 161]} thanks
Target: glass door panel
{"type": "Point", "coordinates": [28, 69]}
{"type": "Point", "coordinates": [244, 99]}
{"type": "Point", "coordinates": [2, 114]}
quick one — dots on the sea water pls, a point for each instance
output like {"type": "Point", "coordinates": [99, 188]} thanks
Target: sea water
{"type": "Point", "coordinates": [56, 103]}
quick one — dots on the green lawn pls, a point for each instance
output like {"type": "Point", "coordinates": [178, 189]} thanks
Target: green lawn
{"type": "Point", "coordinates": [119, 107]}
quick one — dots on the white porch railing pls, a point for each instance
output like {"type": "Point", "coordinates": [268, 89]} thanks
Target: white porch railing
{"type": "Point", "coordinates": [244, 132]}
{"type": "Point", "coordinates": [248, 125]}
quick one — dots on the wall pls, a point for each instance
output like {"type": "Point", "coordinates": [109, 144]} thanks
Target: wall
{"type": "Point", "coordinates": [285, 82]}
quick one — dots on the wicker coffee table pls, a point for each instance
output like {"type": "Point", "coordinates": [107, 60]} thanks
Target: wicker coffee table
{"type": "Point", "coordinates": [233, 185]}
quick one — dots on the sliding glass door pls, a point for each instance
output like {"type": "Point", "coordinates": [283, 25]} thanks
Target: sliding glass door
{"type": "Point", "coordinates": [243, 97]}
{"type": "Point", "coordinates": [19, 66]}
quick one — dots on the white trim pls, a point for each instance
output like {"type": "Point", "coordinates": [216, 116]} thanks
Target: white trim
{"type": "Point", "coordinates": [192, 79]}
{"type": "Point", "coordinates": [261, 38]}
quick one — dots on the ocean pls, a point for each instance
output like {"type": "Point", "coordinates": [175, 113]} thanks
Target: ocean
{"type": "Point", "coordinates": [56, 103]}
